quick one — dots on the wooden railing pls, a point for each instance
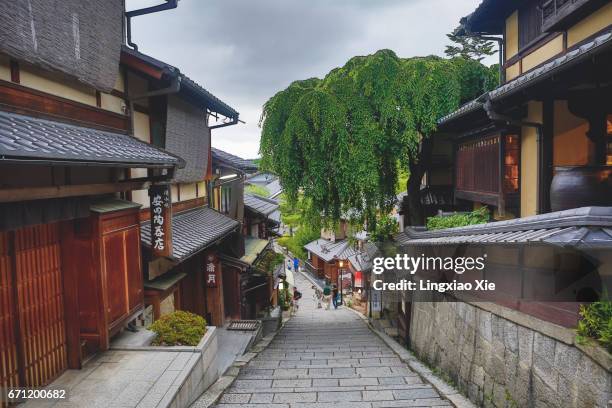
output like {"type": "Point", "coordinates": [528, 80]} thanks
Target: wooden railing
{"type": "Point", "coordinates": [555, 11]}
{"type": "Point", "coordinates": [315, 272]}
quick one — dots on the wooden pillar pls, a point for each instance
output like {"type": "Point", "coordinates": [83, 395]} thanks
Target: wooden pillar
{"type": "Point", "coordinates": [70, 287]}
{"type": "Point", "coordinates": [546, 156]}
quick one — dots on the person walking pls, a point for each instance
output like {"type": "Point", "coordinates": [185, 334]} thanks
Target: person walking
{"type": "Point", "coordinates": [327, 296]}
{"type": "Point", "coordinates": [335, 296]}
{"type": "Point", "coordinates": [316, 297]}
{"type": "Point", "coordinates": [297, 295]}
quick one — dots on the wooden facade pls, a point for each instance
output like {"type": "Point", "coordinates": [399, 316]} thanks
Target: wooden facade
{"type": "Point", "coordinates": [33, 346]}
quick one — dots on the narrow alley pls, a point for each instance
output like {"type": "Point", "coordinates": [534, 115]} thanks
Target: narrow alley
{"type": "Point", "coordinates": [324, 358]}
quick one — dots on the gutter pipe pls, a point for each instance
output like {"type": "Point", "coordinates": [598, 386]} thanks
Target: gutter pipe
{"type": "Point", "coordinates": [170, 4]}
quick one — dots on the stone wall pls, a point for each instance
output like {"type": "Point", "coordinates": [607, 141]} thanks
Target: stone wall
{"type": "Point", "coordinates": [502, 358]}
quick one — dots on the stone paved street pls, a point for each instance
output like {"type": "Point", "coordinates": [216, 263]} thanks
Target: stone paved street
{"type": "Point", "coordinates": [327, 358]}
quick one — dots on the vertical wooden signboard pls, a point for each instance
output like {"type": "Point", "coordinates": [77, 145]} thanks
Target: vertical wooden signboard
{"type": "Point", "coordinates": [161, 220]}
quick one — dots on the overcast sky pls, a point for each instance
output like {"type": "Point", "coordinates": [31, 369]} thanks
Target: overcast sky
{"type": "Point", "coordinates": [244, 51]}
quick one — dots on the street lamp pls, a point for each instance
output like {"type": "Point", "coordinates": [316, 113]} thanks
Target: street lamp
{"type": "Point", "coordinates": [341, 265]}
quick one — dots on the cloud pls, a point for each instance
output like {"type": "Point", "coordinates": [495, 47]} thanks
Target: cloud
{"type": "Point", "coordinates": [244, 51]}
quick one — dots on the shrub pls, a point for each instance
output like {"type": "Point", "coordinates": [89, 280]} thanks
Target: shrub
{"type": "Point", "coordinates": [284, 299]}
{"type": "Point", "coordinates": [596, 322]}
{"type": "Point", "coordinates": [386, 227]}
{"type": "Point", "coordinates": [478, 216]}
{"type": "Point", "coordinates": [179, 328]}
{"type": "Point", "coordinates": [302, 236]}
{"type": "Point", "coordinates": [269, 261]}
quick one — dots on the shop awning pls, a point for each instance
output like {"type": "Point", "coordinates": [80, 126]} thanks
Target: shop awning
{"type": "Point", "coordinates": [584, 228]}
{"type": "Point", "coordinates": [253, 247]}
{"type": "Point", "coordinates": [25, 139]}
{"type": "Point", "coordinates": [193, 231]}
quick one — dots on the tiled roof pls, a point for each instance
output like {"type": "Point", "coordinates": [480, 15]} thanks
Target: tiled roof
{"type": "Point", "coordinates": [268, 181]}
{"type": "Point", "coordinates": [601, 42]}
{"type": "Point", "coordinates": [466, 108]}
{"type": "Point", "coordinates": [261, 205]}
{"type": "Point", "coordinates": [187, 84]}
{"type": "Point", "coordinates": [328, 251]}
{"type": "Point", "coordinates": [274, 188]}
{"type": "Point", "coordinates": [193, 231]}
{"type": "Point", "coordinates": [27, 138]}
{"type": "Point", "coordinates": [582, 227]}
{"type": "Point", "coordinates": [541, 73]}
{"type": "Point", "coordinates": [362, 260]}
{"type": "Point", "coordinates": [232, 161]}
{"type": "Point", "coordinates": [212, 102]}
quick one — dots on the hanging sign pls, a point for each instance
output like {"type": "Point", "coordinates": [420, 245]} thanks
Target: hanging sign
{"type": "Point", "coordinates": [211, 271]}
{"type": "Point", "coordinates": [358, 280]}
{"type": "Point", "coordinates": [161, 220]}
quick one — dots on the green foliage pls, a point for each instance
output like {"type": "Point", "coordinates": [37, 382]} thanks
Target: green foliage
{"type": "Point", "coordinates": [478, 216]}
{"type": "Point", "coordinates": [269, 261]}
{"type": "Point", "coordinates": [257, 190]}
{"type": "Point", "coordinates": [179, 328]}
{"type": "Point", "coordinates": [402, 178]}
{"type": "Point", "coordinates": [297, 212]}
{"type": "Point", "coordinates": [386, 228]}
{"type": "Point", "coordinates": [596, 322]}
{"type": "Point", "coordinates": [337, 141]}
{"type": "Point", "coordinates": [468, 47]}
{"type": "Point", "coordinates": [284, 299]}
{"type": "Point", "coordinates": [303, 235]}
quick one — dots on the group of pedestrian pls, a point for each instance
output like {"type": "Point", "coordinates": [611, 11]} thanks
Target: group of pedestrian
{"type": "Point", "coordinates": [326, 298]}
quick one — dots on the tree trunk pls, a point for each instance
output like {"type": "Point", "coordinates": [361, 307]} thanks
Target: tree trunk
{"type": "Point", "coordinates": [418, 168]}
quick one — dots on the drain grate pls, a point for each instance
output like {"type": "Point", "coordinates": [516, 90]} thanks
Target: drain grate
{"type": "Point", "coordinates": [248, 325]}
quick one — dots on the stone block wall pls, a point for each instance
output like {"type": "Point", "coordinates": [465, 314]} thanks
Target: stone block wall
{"type": "Point", "coordinates": [498, 362]}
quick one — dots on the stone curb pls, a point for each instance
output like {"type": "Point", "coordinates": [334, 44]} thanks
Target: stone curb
{"type": "Point", "coordinates": [446, 390]}
{"type": "Point", "coordinates": [212, 395]}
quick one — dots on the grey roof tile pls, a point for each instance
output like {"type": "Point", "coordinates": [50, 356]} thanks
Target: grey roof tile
{"type": "Point", "coordinates": [27, 138]}
{"type": "Point", "coordinates": [193, 231]}
{"type": "Point", "coordinates": [586, 226]}
{"type": "Point", "coordinates": [328, 251]}
{"type": "Point", "coordinates": [235, 162]}
{"type": "Point", "coordinates": [261, 205]}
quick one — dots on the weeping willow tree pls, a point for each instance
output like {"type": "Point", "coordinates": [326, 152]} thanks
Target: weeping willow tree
{"type": "Point", "coordinates": [338, 140]}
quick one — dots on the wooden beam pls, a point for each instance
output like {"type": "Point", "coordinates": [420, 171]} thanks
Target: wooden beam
{"type": "Point", "coordinates": [10, 195]}
{"type": "Point", "coordinates": [20, 99]}
{"type": "Point", "coordinates": [140, 65]}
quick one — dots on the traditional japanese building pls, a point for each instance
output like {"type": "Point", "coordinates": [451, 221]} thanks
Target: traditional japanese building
{"type": "Point", "coordinates": [71, 275]}
{"type": "Point", "coordinates": [542, 141]}
{"type": "Point", "coordinates": [261, 216]}
{"type": "Point", "coordinates": [181, 255]}
{"type": "Point", "coordinates": [537, 152]}
{"type": "Point", "coordinates": [248, 277]}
